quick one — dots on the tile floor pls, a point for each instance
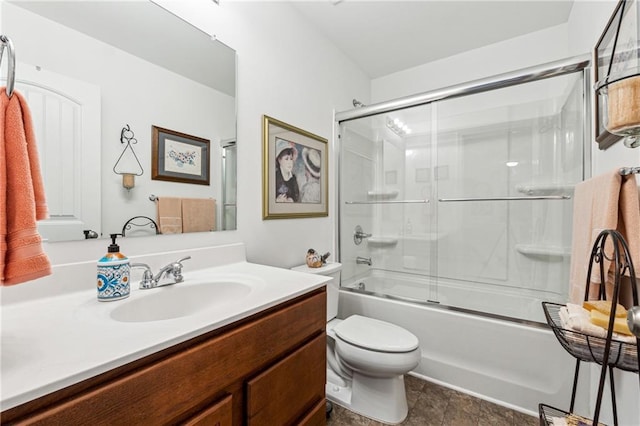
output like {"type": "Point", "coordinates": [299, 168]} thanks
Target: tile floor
{"type": "Point", "coordinates": [431, 405]}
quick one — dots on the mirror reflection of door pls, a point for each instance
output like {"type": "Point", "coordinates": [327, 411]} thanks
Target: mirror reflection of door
{"type": "Point", "coordinates": [66, 121]}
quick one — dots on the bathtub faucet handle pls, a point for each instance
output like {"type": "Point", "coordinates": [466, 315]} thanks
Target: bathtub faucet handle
{"type": "Point", "coordinates": [359, 235]}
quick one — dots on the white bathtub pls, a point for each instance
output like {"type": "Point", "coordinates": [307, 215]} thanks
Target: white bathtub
{"type": "Point", "coordinates": [512, 364]}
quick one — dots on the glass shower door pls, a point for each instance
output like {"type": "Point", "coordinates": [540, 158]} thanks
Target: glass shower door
{"type": "Point", "coordinates": [512, 157]}
{"type": "Point", "coordinates": [386, 188]}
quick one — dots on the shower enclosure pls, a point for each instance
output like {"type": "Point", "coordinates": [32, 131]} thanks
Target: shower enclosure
{"type": "Point", "coordinates": [463, 195]}
{"type": "Point", "coordinates": [229, 183]}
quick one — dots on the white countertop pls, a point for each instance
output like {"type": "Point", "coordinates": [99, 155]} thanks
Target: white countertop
{"type": "Point", "coordinates": [54, 342]}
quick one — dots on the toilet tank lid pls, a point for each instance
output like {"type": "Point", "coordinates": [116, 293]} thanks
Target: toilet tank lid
{"type": "Point", "coordinates": [376, 335]}
{"type": "Point", "coordinates": [326, 269]}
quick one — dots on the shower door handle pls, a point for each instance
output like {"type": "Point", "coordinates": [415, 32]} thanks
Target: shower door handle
{"type": "Point", "coordinates": [389, 202]}
{"type": "Point", "coordinates": [540, 197]}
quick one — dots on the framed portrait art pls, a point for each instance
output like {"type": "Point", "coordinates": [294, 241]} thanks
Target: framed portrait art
{"type": "Point", "coordinates": [295, 172]}
{"type": "Point", "coordinates": [178, 157]}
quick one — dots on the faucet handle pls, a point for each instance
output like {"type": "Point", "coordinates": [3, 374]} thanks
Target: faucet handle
{"type": "Point", "coordinates": [177, 269]}
{"type": "Point", "coordinates": [147, 276]}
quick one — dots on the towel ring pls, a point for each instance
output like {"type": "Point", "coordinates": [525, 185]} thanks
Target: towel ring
{"type": "Point", "coordinates": [11, 68]}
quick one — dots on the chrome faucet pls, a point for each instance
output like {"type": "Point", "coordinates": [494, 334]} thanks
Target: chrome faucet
{"type": "Point", "coordinates": [172, 270]}
{"type": "Point", "coordinates": [363, 260]}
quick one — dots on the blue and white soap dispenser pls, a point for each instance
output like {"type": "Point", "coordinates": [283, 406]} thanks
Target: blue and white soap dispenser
{"type": "Point", "coordinates": [113, 274]}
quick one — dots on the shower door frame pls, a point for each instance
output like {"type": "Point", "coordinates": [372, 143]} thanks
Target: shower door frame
{"type": "Point", "coordinates": [571, 65]}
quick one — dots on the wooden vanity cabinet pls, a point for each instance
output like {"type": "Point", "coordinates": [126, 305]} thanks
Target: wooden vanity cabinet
{"type": "Point", "coordinates": [266, 370]}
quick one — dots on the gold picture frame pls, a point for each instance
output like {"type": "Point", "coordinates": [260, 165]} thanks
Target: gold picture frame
{"type": "Point", "coordinates": [295, 182]}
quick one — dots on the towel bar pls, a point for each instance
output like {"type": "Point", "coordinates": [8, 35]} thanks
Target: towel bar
{"type": "Point", "coordinates": [624, 171]}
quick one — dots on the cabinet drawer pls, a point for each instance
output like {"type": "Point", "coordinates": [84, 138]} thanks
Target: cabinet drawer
{"type": "Point", "coordinates": [316, 417]}
{"type": "Point", "coordinates": [290, 388]}
{"type": "Point", "coordinates": [219, 414]}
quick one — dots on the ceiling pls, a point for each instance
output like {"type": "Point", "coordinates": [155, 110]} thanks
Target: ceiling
{"type": "Point", "coordinates": [383, 37]}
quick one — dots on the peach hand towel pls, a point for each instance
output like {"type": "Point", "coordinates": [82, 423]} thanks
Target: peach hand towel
{"type": "Point", "coordinates": [170, 215]}
{"type": "Point", "coordinates": [608, 201]}
{"type": "Point", "coordinates": [22, 197]}
{"type": "Point", "coordinates": [198, 214]}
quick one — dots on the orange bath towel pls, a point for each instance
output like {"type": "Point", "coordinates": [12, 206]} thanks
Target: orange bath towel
{"type": "Point", "coordinates": [22, 198]}
{"type": "Point", "coordinates": [608, 201]}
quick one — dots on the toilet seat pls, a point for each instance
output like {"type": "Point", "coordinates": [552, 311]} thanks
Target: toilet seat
{"type": "Point", "coordinates": [375, 335]}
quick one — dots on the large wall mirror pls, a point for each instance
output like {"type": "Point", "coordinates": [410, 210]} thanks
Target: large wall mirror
{"type": "Point", "coordinates": [90, 69]}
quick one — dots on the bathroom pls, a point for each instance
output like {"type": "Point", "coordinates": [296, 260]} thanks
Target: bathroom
{"type": "Point", "coordinates": [274, 70]}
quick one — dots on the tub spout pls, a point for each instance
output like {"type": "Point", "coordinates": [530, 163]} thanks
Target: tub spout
{"type": "Point", "coordinates": [363, 260]}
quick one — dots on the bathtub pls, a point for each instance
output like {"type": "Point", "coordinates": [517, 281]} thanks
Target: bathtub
{"type": "Point", "coordinates": [497, 300]}
{"type": "Point", "coordinates": [517, 365]}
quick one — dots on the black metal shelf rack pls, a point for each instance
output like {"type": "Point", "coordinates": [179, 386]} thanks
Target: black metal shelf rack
{"type": "Point", "coordinates": [609, 248]}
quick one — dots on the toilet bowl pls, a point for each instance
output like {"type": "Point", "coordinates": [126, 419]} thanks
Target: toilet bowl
{"type": "Point", "coordinates": [366, 359]}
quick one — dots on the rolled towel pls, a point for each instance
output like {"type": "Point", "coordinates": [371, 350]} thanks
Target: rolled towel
{"type": "Point", "coordinates": [576, 318]}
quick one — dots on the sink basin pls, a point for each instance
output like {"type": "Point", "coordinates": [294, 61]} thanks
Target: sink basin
{"type": "Point", "coordinates": [178, 300]}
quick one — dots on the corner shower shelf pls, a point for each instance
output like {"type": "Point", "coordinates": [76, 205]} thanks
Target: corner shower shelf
{"type": "Point", "coordinates": [388, 202]}
{"type": "Point", "coordinates": [382, 195]}
{"type": "Point", "coordinates": [545, 189]}
{"type": "Point", "coordinates": [429, 236]}
{"type": "Point", "coordinates": [382, 241]}
{"type": "Point", "coordinates": [542, 250]}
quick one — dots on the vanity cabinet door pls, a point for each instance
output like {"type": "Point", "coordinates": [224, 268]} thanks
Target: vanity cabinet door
{"type": "Point", "coordinates": [289, 390]}
{"type": "Point", "coordinates": [219, 414]}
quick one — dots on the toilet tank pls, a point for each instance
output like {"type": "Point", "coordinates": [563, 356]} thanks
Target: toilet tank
{"type": "Point", "coordinates": [331, 270]}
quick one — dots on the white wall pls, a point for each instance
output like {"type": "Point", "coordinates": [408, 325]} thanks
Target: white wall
{"type": "Point", "coordinates": [285, 70]}
{"type": "Point", "coordinates": [509, 55]}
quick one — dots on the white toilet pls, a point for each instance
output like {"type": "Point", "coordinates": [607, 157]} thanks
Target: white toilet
{"type": "Point", "coordinates": [366, 358]}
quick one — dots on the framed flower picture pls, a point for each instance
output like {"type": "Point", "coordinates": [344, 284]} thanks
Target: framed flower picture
{"type": "Point", "coordinates": [178, 157]}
